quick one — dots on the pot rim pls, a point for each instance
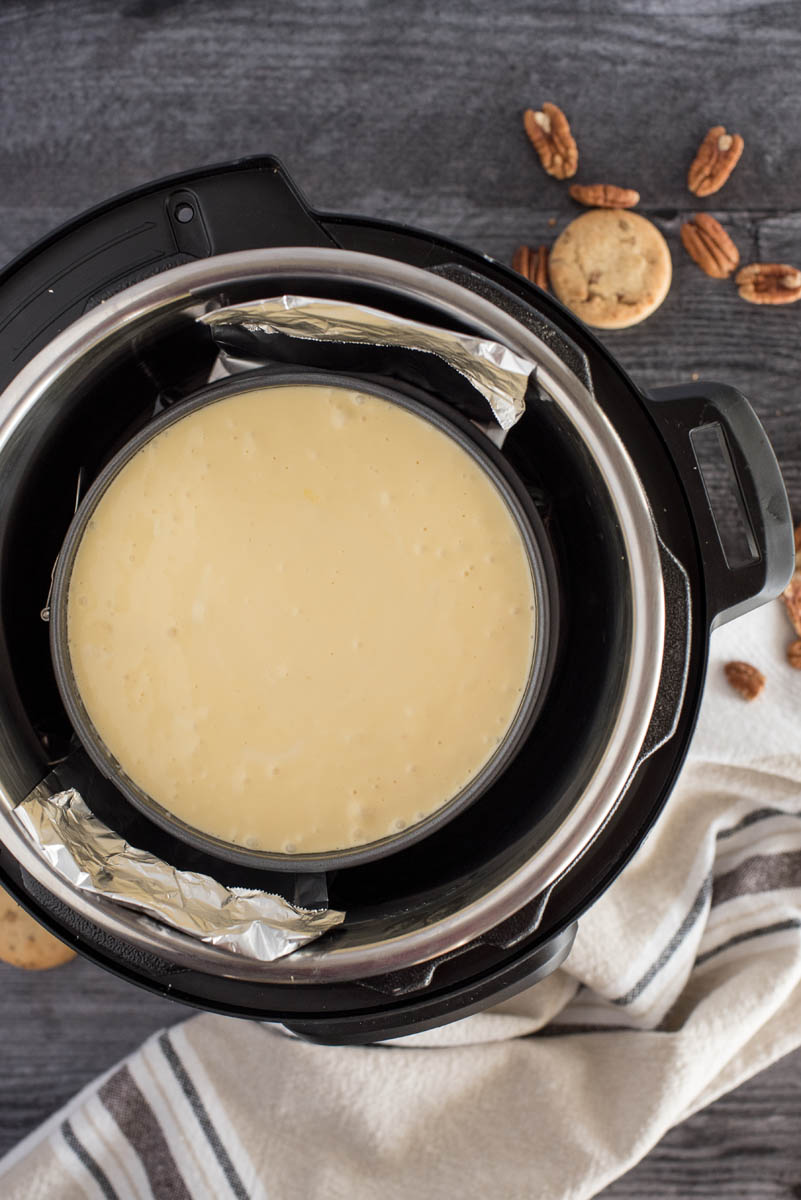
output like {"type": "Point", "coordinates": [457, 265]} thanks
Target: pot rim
{"type": "Point", "coordinates": [187, 287]}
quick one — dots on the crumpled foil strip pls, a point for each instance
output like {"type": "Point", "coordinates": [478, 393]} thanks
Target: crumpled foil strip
{"type": "Point", "coordinates": [90, 856]}
{"type": "Point", "coordinates": [499, 374]}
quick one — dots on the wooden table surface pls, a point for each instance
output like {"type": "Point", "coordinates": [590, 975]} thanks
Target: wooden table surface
{"type": "Point", "coordinates": [411, 112]}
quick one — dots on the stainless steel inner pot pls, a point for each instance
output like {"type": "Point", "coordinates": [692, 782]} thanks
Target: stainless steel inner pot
{"type": "Point", "coordinates": [76, 355]}
{"type": "Point", "coordinates": [532, 535]}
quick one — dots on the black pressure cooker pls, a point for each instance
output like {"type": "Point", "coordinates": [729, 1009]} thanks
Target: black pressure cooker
{"type": "Point", "coordinates": [98, 332]}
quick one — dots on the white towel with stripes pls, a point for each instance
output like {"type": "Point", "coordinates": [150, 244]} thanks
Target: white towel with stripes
{"type": "Point", "coordinates": [685, 979]}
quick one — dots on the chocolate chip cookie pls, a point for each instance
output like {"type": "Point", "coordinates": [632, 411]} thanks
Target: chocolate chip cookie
{"type": "Point", "coordinates": [611, 268]}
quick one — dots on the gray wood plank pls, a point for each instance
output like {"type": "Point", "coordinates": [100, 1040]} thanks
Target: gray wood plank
{"type": "Point", "coordinates": [412, 112]}
{"type": "Point", "coordinates": [746, 1145]}
{"type": "Point", "coordinates": [408, 111]}
{"type": "Point", "coordinates": [60, 1029]}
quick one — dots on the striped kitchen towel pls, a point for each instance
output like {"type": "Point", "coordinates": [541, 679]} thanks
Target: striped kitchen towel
{"type": "Point", "coordinates": [685, 979]}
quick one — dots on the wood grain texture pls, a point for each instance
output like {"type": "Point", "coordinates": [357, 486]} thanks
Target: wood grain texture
{"type": "Point", "coordinates": [412, 112]}
{"type": "Point", "coordinates": [61, 1028]}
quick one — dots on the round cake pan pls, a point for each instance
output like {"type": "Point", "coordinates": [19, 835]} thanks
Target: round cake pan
{"type": "Point", "coordinates": [533, 536]}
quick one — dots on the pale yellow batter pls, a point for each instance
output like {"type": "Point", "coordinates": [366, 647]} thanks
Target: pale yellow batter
{"type": "Point", "coordinates": [301, 618]}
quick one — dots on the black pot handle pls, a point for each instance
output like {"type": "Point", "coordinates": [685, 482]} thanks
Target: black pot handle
{"type": "Point", "coordinates": [731, 589]}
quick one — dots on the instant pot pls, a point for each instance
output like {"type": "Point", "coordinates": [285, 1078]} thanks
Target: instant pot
{"type": "Point", "coordinates": [99, 336]}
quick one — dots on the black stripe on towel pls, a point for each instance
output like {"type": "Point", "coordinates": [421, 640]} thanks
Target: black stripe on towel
{"type": "Point", "coordinates": [747, 935]}
{"type": "Point", "coordinates": [761, 873]}
{"type": "Point", "coordinates": [556, 1030]}
{"type": "Point", "coordinates": [95, 1170]}
{"type": "Point", "coordinates": [134, 1116]}
{"type": "Point", "coordinates": [212, 1137]}
{"type": "Point", "coordinates": [752, 818]}
{"type": "Point", "coordinates": [698, 906]}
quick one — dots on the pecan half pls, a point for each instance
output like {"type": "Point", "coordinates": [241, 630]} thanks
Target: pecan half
{"type": "Point", "coordinates": [604, 195]}
{"type": "Point", "coordinates": [792, 593]}
{"type": "Point", "coordinates": [769, 283]}
{"type": "Point", "coordinates": [549, 133]}
{"type": "Point", "coordinates": [792, 601]}
{"type": "Point", "coordinates": [745, 679]}
{"type": "Point", "coordinates": [708, 244]}
{"type": "Point", "coordinates": [794, 654]}
{"type": "Point", "coordinates": [717, 157]}
{"type": "Point", "coordinates": [533, 264]}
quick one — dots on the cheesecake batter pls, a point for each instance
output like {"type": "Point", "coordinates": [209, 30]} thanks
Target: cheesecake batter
{"type": "Point", "coordinates": [301, 618]}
